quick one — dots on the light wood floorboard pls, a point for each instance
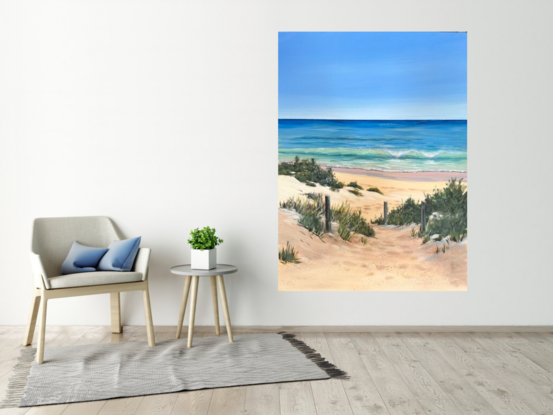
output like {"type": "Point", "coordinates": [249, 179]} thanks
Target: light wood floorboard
{"type": "Point", "coordinates": [391, 373]}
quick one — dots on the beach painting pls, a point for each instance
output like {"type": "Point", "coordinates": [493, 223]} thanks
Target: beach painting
{"type": "Point", "coordinates": [372, 161]}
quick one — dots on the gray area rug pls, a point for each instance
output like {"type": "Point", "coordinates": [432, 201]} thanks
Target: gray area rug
{"type": "Point", "coordinates": [106, 371]}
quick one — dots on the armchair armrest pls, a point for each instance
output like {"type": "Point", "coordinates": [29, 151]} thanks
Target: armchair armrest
{"type": "Point", "coordinates": [39, 274]}
{"type": "Point", "coordinates": [142, 261]}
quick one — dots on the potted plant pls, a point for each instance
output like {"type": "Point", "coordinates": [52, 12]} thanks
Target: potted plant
{"type": "Point", "coordinates": [203, 243]}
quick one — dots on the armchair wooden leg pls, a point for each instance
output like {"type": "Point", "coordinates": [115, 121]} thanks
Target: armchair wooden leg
{"type": "Point", "coordinates": [115, 305]}
{"type": "Point", "coordinates": [42, 330]}
{"type": "Point", "coordinates": [149, 322]}
{"type": "Point", "coordinates": [215, 304]}
{"type": "Point", "coordinates": [31, 324]}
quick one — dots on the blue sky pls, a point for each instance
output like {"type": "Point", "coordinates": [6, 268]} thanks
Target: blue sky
{"type": "Point", "coordinates": [372, 75]}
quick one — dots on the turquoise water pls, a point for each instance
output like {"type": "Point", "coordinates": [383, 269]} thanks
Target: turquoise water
{"type": "Point", "coordinates": [396, 146]}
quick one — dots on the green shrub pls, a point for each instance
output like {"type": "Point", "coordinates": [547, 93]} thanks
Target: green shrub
{"type": "Point", "coordinates": [312, 223]}
{"type": "Point", "coordinates": [288, 254]}
{"type": "Point", "coordinates": [405, 214]}
{"type": "Point", "coordinates": [310, 184]}
{"type": "Point", "coordinates": [453, 226]}
{"type": "Point", "coordinates": [375, 189]}
{"type": "Point", "coordinates": [204, 238]}
{"type": "Point", "coordinates": [378, 221]}
{"type": "Point", "coordinates": [355, 185]}
{"type": "Point", "coordinates": [450, 204]}
{"type": "Point", "coordinates": [309, 171]}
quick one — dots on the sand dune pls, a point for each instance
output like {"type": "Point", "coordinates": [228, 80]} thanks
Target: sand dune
{"type": "Point", "coordinates": [393, 261]}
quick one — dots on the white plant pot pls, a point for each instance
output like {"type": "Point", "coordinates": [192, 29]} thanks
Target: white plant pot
{"type": "Point", "coordinates": [206, 259]}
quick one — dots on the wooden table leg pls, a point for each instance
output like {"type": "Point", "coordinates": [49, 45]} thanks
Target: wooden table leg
{"type": "Point", "coordinates": [215, 304]}
{"type": "Point", "coordinates": [183, 304]}
{"type": "Point", "coordinates": [221, 283]}
{"type": "Point", "coordinates": [193, 299]}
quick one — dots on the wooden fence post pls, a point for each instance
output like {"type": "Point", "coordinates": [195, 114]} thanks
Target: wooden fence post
{"type": "Point", "coordinates": [423, 216]}
{"type": "Point", "coordinates": [327, 214]}
{"type": "Point", "coordinates": [385, 213]}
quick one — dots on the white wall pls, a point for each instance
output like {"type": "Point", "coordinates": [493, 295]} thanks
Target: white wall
{"type": "Point", "coordinates": [163, 116]}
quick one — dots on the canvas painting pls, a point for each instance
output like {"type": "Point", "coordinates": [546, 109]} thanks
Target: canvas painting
{"type": "Point", "coordinates": [372, 169]}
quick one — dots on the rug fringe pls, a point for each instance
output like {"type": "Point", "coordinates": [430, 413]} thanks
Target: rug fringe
{"type": "Point", "coordinates": [330, 369]}
{"type": "Point", "coordinates": [18, 381]}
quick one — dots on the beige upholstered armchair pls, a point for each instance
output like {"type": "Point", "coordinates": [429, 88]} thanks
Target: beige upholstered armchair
{"type": "Point", "coordinates": [51, 242]}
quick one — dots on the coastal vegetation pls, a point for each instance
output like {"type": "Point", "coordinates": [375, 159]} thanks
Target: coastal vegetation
{"type": "Point", "coordinates": [312, 210]}
{"type": "Point", "coordinates": [309, 172]}
{"type": "Point", "coordinates": [446, 209]}
{"type": "Point", "coordinates": [355, 185]}
{"type": "Point", "coordinates": [375, 189]}
{"type": "Point", "coordinates": [288, 254]}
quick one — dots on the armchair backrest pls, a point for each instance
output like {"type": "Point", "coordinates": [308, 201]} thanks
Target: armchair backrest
{"type": "Point", "coordinates": [53, 237]}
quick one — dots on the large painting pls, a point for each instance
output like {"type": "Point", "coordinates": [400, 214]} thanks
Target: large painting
{"type": "Point", "coordinates": [372, 170]}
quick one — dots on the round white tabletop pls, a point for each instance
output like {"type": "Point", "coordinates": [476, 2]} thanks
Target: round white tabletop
{"type": "Point", "coordinates": [221, 269]}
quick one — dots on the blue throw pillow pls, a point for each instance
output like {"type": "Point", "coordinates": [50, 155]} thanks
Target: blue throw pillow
{"type": "Point", "coordinates": [82, 258]}
{"type": "Point", "coordinates": [120, 255]}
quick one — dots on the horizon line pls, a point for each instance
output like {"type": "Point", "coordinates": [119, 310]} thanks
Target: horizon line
{"type": "Point", "coordinates": [375, 119]}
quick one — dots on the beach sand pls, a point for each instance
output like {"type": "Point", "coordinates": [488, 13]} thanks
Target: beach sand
{"type": "Point", "coordinates": [392, 261]}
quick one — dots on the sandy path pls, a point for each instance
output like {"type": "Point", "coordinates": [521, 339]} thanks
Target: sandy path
{"type": "Point", "coordinates": [393, 261]}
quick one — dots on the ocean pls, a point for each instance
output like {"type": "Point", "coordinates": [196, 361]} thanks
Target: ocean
{"type": "Point", "coordinates": [394, 146]}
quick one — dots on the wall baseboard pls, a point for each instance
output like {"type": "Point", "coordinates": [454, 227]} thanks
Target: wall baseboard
{"type": "Point", "coordinates": [335, 329]}
{"type": "Point", "coordinates": [342, 329]}
{"type": "Point", "coordinates": [376, 329]}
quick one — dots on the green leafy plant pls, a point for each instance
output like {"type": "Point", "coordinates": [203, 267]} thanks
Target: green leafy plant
{"type": "Point", "coordinates": [288, 254]}
{"type": "Point", "coordinates": [204, 238]}
{"type": "Point", "coordinates": [355, 192]}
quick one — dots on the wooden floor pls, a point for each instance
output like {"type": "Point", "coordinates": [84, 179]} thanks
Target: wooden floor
{"type": "Point", "coordinates": [391, 373]}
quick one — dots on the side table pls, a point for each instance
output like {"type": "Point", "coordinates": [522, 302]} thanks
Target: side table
{"type": "Point", "coordinates": [192, 278]}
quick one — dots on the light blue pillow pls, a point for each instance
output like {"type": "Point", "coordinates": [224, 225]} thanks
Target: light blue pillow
{"type": "Point", "coordinates": [82, 258]}
{"type": "Point", "coordinates": [120, 255]}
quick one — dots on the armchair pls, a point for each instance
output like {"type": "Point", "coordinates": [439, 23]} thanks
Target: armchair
{"type": "Point", "coordinates": [51, 241]}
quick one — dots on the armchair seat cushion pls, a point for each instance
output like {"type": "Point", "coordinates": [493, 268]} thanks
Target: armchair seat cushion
{"type": "Point", "coordinates": [93, 278]}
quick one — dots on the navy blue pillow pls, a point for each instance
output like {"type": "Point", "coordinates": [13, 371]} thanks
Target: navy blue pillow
{"type": "Point", "coordinates": [120, 255]}
{"type": "Point", "coordinates": [82, 258]}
